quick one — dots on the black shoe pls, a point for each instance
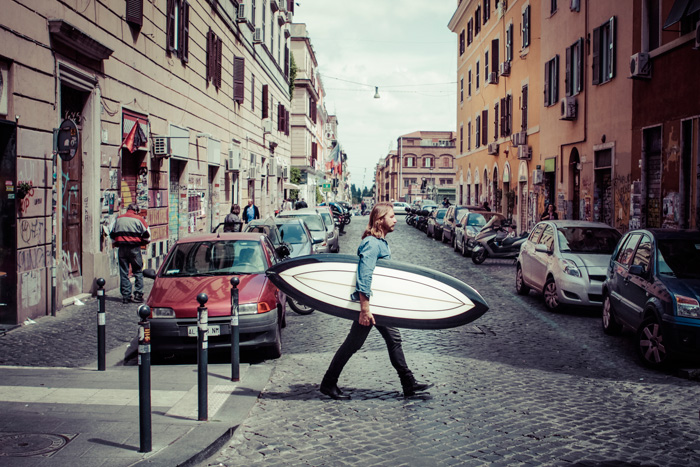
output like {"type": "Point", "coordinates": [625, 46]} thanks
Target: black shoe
{"type": "Point", "coordinates": [137, 299]}
{"type": "Point", "coordinates": [126, 299]}
{"type": "Point", "coordinates": [411, 387]}
{"type": "Point", "coordinates": [334, 392]}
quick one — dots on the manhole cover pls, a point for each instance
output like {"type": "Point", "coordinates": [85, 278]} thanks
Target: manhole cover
{"type": "Point", "coordinates": [31, 444]}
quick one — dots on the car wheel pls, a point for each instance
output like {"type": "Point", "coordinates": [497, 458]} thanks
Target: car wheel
{"type": "Point", "coordinates": [464, 248]}
{"type": "Point", "coordinates": [650, 345]}
{"type": "Point", "coordinates": [610, 325]}
{"type": "Point", "coordinates": [299, 307]}
{"type": "Point", "coordinates": [479, 257]}
{"type": "Point", "coordinates": [520, 287]}
{"type": "Point", "coordinates": [551, 299]}
{"type": "Point", "coordinates": [455, 245]}
{"type": "Point", "coordinates": [275, 350]}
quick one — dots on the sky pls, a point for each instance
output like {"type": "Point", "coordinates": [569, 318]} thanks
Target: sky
{"type": "Point", "coordinates": [405, 49]}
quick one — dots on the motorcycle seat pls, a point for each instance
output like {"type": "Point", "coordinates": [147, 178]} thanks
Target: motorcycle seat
{"type": "Point", "coordinates": [509, 241]}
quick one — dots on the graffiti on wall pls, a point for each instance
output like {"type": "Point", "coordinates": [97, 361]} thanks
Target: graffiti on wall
{"type": "Point", "coordinates": [635, 205]}
{"type": "Point", "coordinates": [72, 283]}
{"type": "Point", "coordinates": [622, 188]}
{"type": "Point", "coordinates": [670, 210]}
{"type": "Point", "coordinates": [30, 287]}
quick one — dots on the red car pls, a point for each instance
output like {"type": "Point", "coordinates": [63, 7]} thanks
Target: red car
{"type": "Point", "coordinates": [206, 263]}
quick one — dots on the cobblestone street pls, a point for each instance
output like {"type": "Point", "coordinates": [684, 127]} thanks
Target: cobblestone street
{"type": "Point", "coordinates": [519, 386]}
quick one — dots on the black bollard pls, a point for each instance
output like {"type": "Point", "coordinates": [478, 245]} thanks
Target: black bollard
{"type": "Point", "coordinates": [235, 338]}
{"type": "Point", "coordinates": [202, 355]}
{"type": "Point", "coordinates": [101, 321]}
{"type": "Point", "coordinates": [145, 379]}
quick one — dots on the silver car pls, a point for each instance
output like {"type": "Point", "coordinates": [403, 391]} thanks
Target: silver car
{"type": "Point", "coordinates": [567, 261]}
{"type": "Point", "coordinates": [314, 221]}
{"type": "Point", "coordinates": [331, 228]}
{"type": "Point", "coordinates": [466, 229]}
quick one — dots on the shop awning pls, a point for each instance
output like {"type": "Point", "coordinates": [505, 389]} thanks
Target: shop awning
{"type": "Point", "coordinates": [680, 9]}
{"type": "Point", "coordinates": [290, 186]}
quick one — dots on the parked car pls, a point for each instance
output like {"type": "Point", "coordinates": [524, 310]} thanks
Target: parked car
{"type": "Point", "coordinates": [206, 264]}
{"type": "Point", "coordinates": [340, 213]}
{"type": "Point", "coordinates": [467, 228]}
{"type": "Point", "coordinates": [268, 227]}
{"type": "Point", "coordinates": [316, 225]}
{"type": "Point", "coordinates": [331, 228]}
{"type": "Point", "coordinates": [401, 208]}
{"type": "Point", "coordinates": [653, 287]}
{"type": "Point", "coordinates": [454, 213]}
{"type": "Point", "coordinates": [435, 221]}
{"type": "Point", "coordinates": [567, 261]}
{"type": "Point", "coordinates": [296, 233]}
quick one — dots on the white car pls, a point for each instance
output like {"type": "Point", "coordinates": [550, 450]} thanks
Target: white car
{"type": "Point", "coordinates": [567, 261]}
{"type": "Point", "coordinates": [401, 208]}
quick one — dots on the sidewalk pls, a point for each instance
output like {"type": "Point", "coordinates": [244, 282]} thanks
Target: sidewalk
{"type": "Point", "coordinates": [58, 410]}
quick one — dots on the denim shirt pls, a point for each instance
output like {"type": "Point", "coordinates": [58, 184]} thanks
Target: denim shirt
{"type": "Point", "coordinates": [370, 250]}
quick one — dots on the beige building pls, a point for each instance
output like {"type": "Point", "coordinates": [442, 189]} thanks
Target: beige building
{"type": "Point", "coordinates": [202, 84]}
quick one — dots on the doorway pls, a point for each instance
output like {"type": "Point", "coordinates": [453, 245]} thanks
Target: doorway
{"type": "Point", "coordinates": [8, 223]}
{"type": "Point", "coordinates": [602, 190]}
{"type": "Point", "coordinates": [652, 176]}
{"type": "Point", "coordinates": [575, 184]}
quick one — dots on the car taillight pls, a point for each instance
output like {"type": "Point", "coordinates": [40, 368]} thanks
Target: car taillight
{"type": "Point", "coordinates": [263, 307]}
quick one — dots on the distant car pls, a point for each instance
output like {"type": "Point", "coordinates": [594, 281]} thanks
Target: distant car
{"type": "Point", "coordinates": [653, 287]}
{"type": "Point", "coordinates": [401, 208]}
{"type": "Point", "coordinates": [316, 225]}
{"type": "Point", "coordinates": [567, 261]}
{"type": "Point", "coordinates": [454, 213]}
{"type": "Point", "coordinates": [466, 229]}
{"type": "Point", "coordinates": [206, 263]}
{"type": "Point", "coordinates": [269, 228]}
{"type": "Point", "coordinates": [296, 233]}
{"type": "Point", "coordinates": [435, 221]}
{"type": "Point", "coordinates": [331, 228]}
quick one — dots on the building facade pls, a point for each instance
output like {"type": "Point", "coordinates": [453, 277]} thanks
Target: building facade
{"type": "Point", "coordinates": [180, 107]}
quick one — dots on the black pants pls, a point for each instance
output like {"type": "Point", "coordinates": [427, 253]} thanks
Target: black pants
{"type": "Point", "coordinates": [356, 338]}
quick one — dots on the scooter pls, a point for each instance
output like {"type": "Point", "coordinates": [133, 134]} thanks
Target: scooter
{"type": "Point", "coordinates": [495, 241]}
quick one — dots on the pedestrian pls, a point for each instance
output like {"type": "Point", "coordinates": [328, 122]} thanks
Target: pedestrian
{"type": "Point", "coordinates": [550, 213]}
{"type": "Point", "coordinates": [372, 248]}
{"type": "Point", "coordinates": [485, 206]}
{"type": "Point", "coordinates": [130, 231]}
{"type": "Point", "coordinates": [250, 212]}
{"type": "Point", "coordinates": [363, 207]}
{"type": "Point", "coordinates": [445, 202]}
{"type": "Point", "coordinates": [287, 205]}
{"type": "Point", "coordinates": [232, 221]}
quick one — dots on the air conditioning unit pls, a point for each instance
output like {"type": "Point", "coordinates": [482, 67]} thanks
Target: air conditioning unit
{"type": "Point", "coordinates": [493, 148]}
{"type": "Point", "coordinates": [568, 108]}
{"type": "Point", "coordinates": [252, 173]}
{"type": "Point", "coordinates": [492, 78]}
{"type": "Point", "coordinates": [267, 125]}
{"type": "Point", "coordinates": [240, 18]}
{"type": "Point", "coordinates": [519, 138]}
{"type": "Point", "coordinates": [280, 171]}
{"type": "Point", "coordinates": [524, 152]}
{"type": "Point", "coordinates": [161, 146]}
{"type": "Point", "coordinates": [257, 35]}
{"type": "Point", "coordinates": [234, 159]}
{"type": "Point", "coordinates": [271, 168]}
{"type": "Point", "coordinates": [640, 65]}
{"type": "Point", "coordinates": [285, 174]}
{"type": "Point", "coordinates": [697, 36]}
{"type": "Point", "coordinates": [504, 69]}
{"type": "Point", "coordinates": [537, 177]}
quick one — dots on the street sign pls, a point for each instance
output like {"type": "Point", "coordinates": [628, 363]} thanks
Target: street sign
{"type": "Point", "coordinates": [326, 187]}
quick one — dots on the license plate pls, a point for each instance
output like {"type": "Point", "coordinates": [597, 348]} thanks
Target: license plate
{"type": "Point", "coordinates": [211, 331]}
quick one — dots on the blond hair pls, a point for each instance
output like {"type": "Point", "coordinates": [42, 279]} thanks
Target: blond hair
{"type": "Point", "coordinates": [376, 217]}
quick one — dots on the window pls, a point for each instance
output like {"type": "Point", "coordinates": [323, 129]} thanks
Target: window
{"type": "Point", "coordinates": [484, 127]}
{"type": "Point", "coordinates": [265, 100]}
{"type": "Point", "coordinates": [477, 75]}
{"type": "Point", "coordinates": [535, 235]}
{"type": "Point", "coordinates": [551, 81]}
{"type": "Point", "coordinates": [526, 27]}
{"type": "Point", "coordinates": [506, 115]}
{"type": "Point", "coordinates": [575, 5]}
{"type": "Point", "coordinates": [470, 31]}
{"type": "Point", "coordinates": [469, 135]}
{"type": "Point", "coordinates": [477, 128]}
{"type": "Point", "coordinates": [263, 20]}
{"type": "Point", "coordinates": [495, 121]}
{"type": "Point", "coordinates": [604, 52]}
{"type": "Point", "coordinates": [238, 79]}
{"type": "Point", "coordinates": [461, 89]}
{"type": "Point", "coordinates": [178, 28]}
{"type": "Point", "coordinates": [524, 109]}
{"type": "Point", "coordinates": [461, 139]}
{"type": "Point", "coordinates": [214, 49]}
{"type": "Point", "coordinates": [487, 10]}
{"type": "Point", "coordinates": [547, 238]}
{"type": "Point", "coordinates": [252, 92]}
{"type": "Point", "coordinates": [626, 252]}
{"type": "Point", "coordinates": [494, 55]}
{"type": "Point", "coordinates": [446, 162]}
{"type": "Point", "coordinates": [643, 255]}
{"type": "Point", "coordinates": [428, 162]}
{"type": "Point", "coordinates": [469, 83]}
{"type": "Point", "coordinates": [574, 68]}
{"type": "Point", "coordinates": [486, 65]}
{"type": "Point", "coordinates": [134, 12]}
{"type": "Point", "coordinates": [409, 161]}
{"type": "Point", "coordinates": [509, 43]}
{"type": "Point", "coordinates": [461, 43]}
{"type": "Point", "coordinates": [477, 20]}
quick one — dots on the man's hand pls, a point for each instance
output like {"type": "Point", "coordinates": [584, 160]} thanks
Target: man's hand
{"type": "Point", "coordinates": [366, 318]}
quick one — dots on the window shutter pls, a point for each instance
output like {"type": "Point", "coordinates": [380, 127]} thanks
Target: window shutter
{"type": "Point", "coordinates": [170, 26]}
{"type": "Point", "coordinates": [484, 127]}
{"type": "Point", "coordinates": [547, 74]}
{"type": "Point", "coordinates": [280, 116]}
{"type": "Point", "coordinates": [134, 12]}
{"type": "Point", "coordinates": [286, 61]}
{"type": "Point", "coordinates": [503, 116]}
{"type": "Point", "coordinates": [596, 56]}
{"type": "Point", "coordinates": [265, 108]}
{"type": "Point", "coordinates": [238, 79]}
{"type": "Point", "coordinates": [209, 55]}
{"type": "Point", "coordinates": [184, 44]}
{"type": "Point", "coordinates": [524, 119]}
{"type": "Point", "coordinates": [286, 122]}
{"type": "Point", "coordinates": [611, 73]}
{"type": "Point", "coordinates": [477, 130]}
{"type": "Point", "coordinates": [494, 55]}
{"type": "Point", "coordinates": [526, 27]}
{"type": "Point", "coordinates": [495, 122]}
{"type": "Point", "coordinates": [579, 84]}
{"type": "Point", "coordinates": [567, 77]}
{"type": "Point", "coordinates": [217, 62]}
{"type": "Point", "coordinates": [555, 84]}
{"type": "Point", "coordinates": [510, 114]}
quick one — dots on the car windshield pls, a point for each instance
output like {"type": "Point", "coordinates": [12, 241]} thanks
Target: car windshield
{"type": "Point", "coordinates": [680, 258]}
{"type": "Point", "coordinates": [440, 213]}
{"type": "Point", "coordinates": [477, 219]}
{"type": "Point", "coordinates": [313, 221]}
{"type": "Point", "coordinates": [588, 240]}
{"type": "Point", "coordinates": [293, 233]}
{"type": "Point", "coordinates": [327, 218]}
{"type": "Point", "coordinates": [215, 258]}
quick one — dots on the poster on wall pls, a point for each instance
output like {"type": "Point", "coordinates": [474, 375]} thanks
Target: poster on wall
{"type": "Point", "coordinates": [635, 205]}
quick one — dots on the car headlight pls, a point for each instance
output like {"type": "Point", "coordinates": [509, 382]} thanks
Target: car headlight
{"type": "Point", "coordinates": [471, 233]}
{"type": "Point", "coordinates": [248, 309]}
{"type": "Point", "coordinates": [570, 268]}
{"type": "Point", "coordinates": [162, 313]}
{"type": "Point", "coordinates": [687, 307]}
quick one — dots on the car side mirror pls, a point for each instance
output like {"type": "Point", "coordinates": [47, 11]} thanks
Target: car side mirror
{"type": "Point", "coordinates": [637, 270]}
{"type": "Point", "coordinates": [540, 248]}
{"type": "Point", "coordinates": [317, 240]}
{"type": "Point", "coordinates": [150, 273]}
{"type": "Point", "coordinates": [458, 225]}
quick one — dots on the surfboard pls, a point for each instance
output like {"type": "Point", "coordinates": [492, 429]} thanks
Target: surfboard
{"type": "Point", "coordinates": [403, 295]}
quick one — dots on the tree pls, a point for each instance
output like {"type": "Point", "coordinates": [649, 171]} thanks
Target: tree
{"type": "Point", "coordinates": [294, 177]}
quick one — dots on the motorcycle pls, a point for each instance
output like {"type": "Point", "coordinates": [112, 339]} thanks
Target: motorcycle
{"type": "Point", "coordinates": [422, 220]}
{"type": "Point", "coordinates": [411, 216]}
{"type": "Point", "coordinates": [497, 240]}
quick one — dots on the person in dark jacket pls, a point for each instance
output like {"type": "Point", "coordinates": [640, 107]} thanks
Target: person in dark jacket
{"type": "Point", "coordinates": [550, 214]}
{"type": "Point", "coordinates": [130, 231]}
{"type": "Point", "coordinates": [250, 212]}
{"type": "Point", "coordinates": [232, 222]}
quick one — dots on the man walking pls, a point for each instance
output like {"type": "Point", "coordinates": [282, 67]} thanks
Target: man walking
{"type": "Point", "coordinates": [373, 247]}
{"type": "Point", "coordinates": [251, 212]}
{"type": "Point", "coordinates": [130, 231]}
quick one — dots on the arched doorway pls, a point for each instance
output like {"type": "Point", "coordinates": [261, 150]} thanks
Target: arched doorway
{"type": "Point", "coordinates": [496, 194]}
{"type": "Point", "coordinates": [575, 184]}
